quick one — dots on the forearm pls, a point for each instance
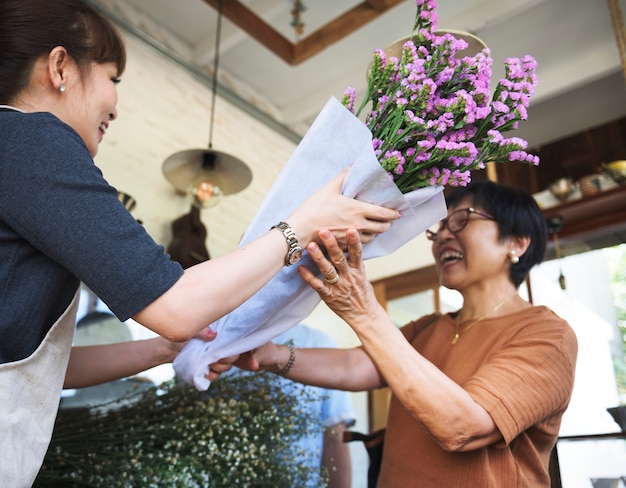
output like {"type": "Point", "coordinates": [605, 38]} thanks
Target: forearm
{"type": "Point", "coordinates": [93, 365]}
{"type": "Point", "coordinates": [341, 369]}
{"type": "Point", "coordinates": [214, 288]}
{"type": "Point", "coordinates": [422, 388]}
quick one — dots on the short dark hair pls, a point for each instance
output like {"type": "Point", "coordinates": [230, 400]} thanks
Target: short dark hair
{"type": "Point", "coordinates": [30, 29]}
{"type": "Point", "coordinates": [517, 215]}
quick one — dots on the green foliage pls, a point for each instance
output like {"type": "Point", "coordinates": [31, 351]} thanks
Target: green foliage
{"type": "Point", "coordinates": [240, 433]}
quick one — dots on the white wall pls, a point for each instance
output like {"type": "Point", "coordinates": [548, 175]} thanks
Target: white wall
{"type": "Point", "coordinates": [162, 110]}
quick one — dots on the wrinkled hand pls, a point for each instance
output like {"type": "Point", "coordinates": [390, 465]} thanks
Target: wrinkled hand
{"type": "Point", "coordinates": [351, 296]}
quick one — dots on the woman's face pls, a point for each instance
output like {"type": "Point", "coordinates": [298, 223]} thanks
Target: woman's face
{"type": "Point", "coordinates": [471, 255]}
{"type": "Point", "coordinates": [92, 104]}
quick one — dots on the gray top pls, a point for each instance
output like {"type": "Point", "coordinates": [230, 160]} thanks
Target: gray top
{"type": "Point", "coordinates": [61, 223]}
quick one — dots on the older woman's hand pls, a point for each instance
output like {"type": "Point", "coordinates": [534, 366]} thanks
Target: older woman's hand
{"type": "Point", "coordinates": [344, 286]}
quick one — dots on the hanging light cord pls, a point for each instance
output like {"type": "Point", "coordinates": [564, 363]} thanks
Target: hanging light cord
{"type": "Point", "coordinates": [216, 64]}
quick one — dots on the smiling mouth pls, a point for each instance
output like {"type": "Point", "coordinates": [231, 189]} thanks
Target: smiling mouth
{"type": "Point", "coordinates": [103, 128]}
{"type": "Point", "coordinates": [450, 256]}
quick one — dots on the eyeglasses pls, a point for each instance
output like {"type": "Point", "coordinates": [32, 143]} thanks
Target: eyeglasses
{"type": "Point", "coordinates": [455, 222]}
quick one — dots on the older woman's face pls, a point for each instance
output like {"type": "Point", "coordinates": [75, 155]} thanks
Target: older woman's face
{"type": "Point", "coordinates": [472, 254]}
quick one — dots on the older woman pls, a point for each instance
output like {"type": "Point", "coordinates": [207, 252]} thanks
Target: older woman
{"type": "Point", "coordinates": [478, 394]}
{"type": "Point", "coordinates": [61, 223]}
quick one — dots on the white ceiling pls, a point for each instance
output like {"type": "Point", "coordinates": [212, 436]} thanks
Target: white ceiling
{"type": "Point", "coordinates": [580, 78]}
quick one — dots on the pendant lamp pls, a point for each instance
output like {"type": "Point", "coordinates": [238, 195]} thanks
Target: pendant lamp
{"type": "Point", "coordinates": [206, 175]}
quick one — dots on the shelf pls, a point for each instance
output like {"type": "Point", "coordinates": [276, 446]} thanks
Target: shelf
{"type": "Point", "coordinates": [596, 220]}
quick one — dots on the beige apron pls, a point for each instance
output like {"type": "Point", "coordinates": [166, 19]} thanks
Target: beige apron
{"type": "Point", "coordinates": [30, 391]}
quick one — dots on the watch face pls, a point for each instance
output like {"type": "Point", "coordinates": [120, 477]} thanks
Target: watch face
{"type": "Point", "coordinates": [295, 255]}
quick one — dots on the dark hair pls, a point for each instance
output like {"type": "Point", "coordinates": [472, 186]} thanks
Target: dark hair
{"type": "Point", "coordinates": [517, 215]}
{"type": "Point", "coordinates": [30, 29]}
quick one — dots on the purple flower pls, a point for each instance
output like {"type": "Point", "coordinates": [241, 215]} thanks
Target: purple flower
{"type": "Point", "coordinates": [431, 112]}
{"type": "Point", "coordinates": [348, 98]}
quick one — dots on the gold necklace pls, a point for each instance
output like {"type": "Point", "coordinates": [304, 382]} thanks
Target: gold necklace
{"type": "Point", "coordinates": [458, 332]}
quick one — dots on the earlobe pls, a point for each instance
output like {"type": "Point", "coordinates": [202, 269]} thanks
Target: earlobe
{"type": "Point", "coordinates": [58, 63]}
{"type": "Point", "coordinates": [519, 246]}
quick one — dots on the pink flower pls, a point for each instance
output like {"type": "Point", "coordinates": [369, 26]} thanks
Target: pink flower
{"type": "Point", "coordinates": [348, 98]}
{"type": "Point", "coordinates": [431, 114]}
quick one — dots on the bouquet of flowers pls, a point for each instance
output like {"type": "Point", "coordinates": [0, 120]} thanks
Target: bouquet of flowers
{"type": "Point", "coordinates": [430, 122]}
{"type": "Point", "coordinates": [431, 115]}
{"type": "Point", "coordinates": [240, 433]}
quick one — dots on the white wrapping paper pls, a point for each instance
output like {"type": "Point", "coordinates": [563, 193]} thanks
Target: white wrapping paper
{"type": "Point", "coordinates": [335, 140]}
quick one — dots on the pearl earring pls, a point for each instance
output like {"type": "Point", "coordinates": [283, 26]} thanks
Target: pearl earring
{"type": "Point", "coordinates": [513, 257]}
{"type": "Point", "coordinates": [62, 88]}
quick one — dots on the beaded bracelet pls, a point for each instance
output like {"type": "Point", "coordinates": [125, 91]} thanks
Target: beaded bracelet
{"type": "Point", "coordinates": [292, 359]}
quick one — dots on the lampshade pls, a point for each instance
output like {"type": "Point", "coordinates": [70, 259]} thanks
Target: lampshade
{"type": "Point", "coordinates": [206, 173]}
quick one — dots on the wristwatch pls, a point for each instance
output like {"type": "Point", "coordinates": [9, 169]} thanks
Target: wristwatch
{"type": "Point", "coordinates": [294, 253]}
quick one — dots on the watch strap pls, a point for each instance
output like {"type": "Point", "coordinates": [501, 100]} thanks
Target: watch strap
{"type": "Point", "coordinates": [294, 250]}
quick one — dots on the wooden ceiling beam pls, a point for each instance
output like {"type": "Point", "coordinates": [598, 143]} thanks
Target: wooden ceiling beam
{"type": "Point", "coordinates": [248, 21]}
{"type": "Point", "coordinates": [382, 4]}
{"type": "Point", "coordinates": [340, 27]}
{"type": "Point", "coordinates": [314, 43]}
